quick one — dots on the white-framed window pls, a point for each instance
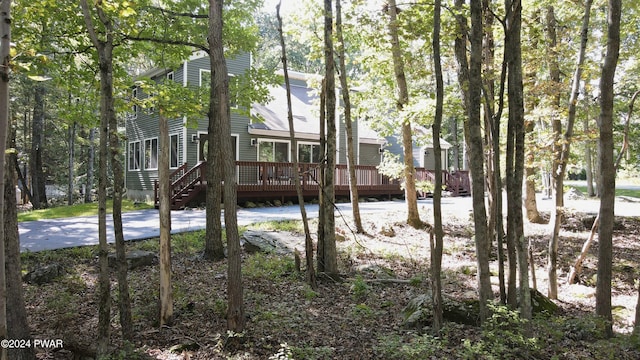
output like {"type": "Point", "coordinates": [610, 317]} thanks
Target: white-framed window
{"type": "Point", "coordinates": [151, 154]}
{"type": "Point", "coordinates": [135, 155]}
{"type": "Point", "coordinates": [205, 77]}
{"type": "Point", "coordinates": [173, 151]}
{"type": "Point", "coordinates": [134, 107]}
{"type": "Point", "coordinates": [309, 153]}
{"type": "Point", "coordinates": [273, 150]}
{"type": "Point", "coordinates": [170, 75]}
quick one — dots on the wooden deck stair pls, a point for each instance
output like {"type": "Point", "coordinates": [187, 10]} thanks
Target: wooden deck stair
{"type": "Point", "coordinates": [185, 185]}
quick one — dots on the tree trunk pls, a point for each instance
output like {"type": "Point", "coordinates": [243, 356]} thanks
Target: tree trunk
{"type": "Point", "coordinates": [562, 155]}
{"type": "Point", "coordinates": [437, 233]}
{"type": "Point", "coordinates": [38, 183]}
{"type": "Point", "coordinates": [5, 58]}
{"type": "Point", "coordinates": [323, 168]}
{"type": "Point", "coordinates": [607, 166]}
{"type": "Point", "coordinates": [411, 196]}
{"type": "Point", "coordinates": [308, 241]}
{"type": "Point", "coordinates": [530, 202]}
{"type": "Point", "coordinates": [636, 328]}
{"type": "Point", "coordinates": [346, 98]}
{"type": "Point", "coordinates": [576, 269]}
{"type": "Point", "coordinates": [17, 323]}
{"type": "Point", "coordinates": [330, 254]}
{"type": "Point", "coordinates": [166, 293]}
{"type": "Point", "coordinates": [492, 134]}
{"type": "Point", "coordinates": [515, 152]}
{"type": "Point", "coordinates": [72, 142]}
{"type": "Point", "coordinates": [108, 139]}
{"type": "Point", "coordinates": [91, 153]}
{"type": "Point", "coordinates": [220, 109]}
{"type": "Point", "coordinates": [213, 248]}
{"type": "Point", "coordinates": [124, 301]}
{"type": "Point", "coordinates": [477, 159]}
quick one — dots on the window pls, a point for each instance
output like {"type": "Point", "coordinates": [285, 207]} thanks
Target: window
{"type": "Point", "coordinates": [275, 151]}
{"type": "Point", "coordinates": [173, 154]}
{"type": "Point", "coordinates": [134, 98]}
{"type": "Point", "coordinates": [309, 153]}
{"type": "Point", "coordinates": [151, 154]}
{"type": "Point", "coordinates": [134, 155]}
{"type": "Point", "coordinates": [170, 75]}
{"type": "Point", "coordinates": [205, 77]}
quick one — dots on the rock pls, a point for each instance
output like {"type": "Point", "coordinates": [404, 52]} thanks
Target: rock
{"type": "Point", "coordinates": [419, 311]}
{"type": "Point", "coordinates": [277, 203]}
{"type": "Point", "coordinates": [264, 241]}
{"type": "Point", "coordinates": [574, 194]}
{"type": "Point", "coordinates": [250, 205]}
{"type": "Point", "coordinates": [388, 231]}
{"type": "Point", "coordinates": [44, 274]}
{"type": "Point", "coordinates": [541, 304]}
{"type": "Point", "coordinates": [136, 259]}
{"type": "Point", "coordinates": [378, 272]}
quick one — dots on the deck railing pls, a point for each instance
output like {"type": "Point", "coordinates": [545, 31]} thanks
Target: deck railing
{"type": "Point", "coordinates": [260, 179]}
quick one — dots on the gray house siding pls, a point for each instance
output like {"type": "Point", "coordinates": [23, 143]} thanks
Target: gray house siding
{"type": "Point", "coordinates": [144, 126]}
{"type": "Point", "coordinates": [369, 154]}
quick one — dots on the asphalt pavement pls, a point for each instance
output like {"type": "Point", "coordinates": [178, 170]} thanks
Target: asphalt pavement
{"type": "Point", "coordinates": [144, 224]}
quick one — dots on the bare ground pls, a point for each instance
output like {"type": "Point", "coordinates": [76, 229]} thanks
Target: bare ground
{"type": "Point", "coordinates": [358, 318]}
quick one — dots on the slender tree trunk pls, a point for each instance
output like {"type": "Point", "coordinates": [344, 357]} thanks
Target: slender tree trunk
{"type": "Point", "coordinates": [308, 241]}
{"type": "Point", "coordinates": [607, 166]}
{"type": "Point", "coordinates": [330, 252]}
{"type": "Point", "coordinates": [166, 293]}
{"type": "Point", "coordinates": [411, 196]}
{"type": "Point", "coordinates": [17, 323]}
{"type": "Point", "coordinates": [72, 144]}
{"type": "Point", "coordinates": [477, 159]}
{"type": "Point", "coordinates": [38, 184]}
{"type": "Point", "coordinates": [91, 153]}
{"type": "Point", "coordinates": [104, 48]}
{"type": "Point", "coordinates": [214, 248]}
{"type": "Point", "coordinates": [346, 98]}
{"type": "Point", "coordinates": [220, 108]}
{"type": "Point", "coordinates": [636, 328]}
{"type": "Point", "coordinates": [437, 243]}
{"type": "Point", "coordinates": [323, 169]}
{"type": "Point", "coordinates": [515, 152]}
{"type": "Point", "coordinates": [124, 301]}
{"type": "Point", "coordinates": [531, 204]}
{"type": "Point", "coordinates": [5, 58]}
{"type": "Point", "coordinates": [562, 156]}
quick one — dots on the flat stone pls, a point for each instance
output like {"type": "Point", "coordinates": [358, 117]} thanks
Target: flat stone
{"type": "Point", "coordinates": [268, 242]}
{"type": "Point", "coordinates": [136, 259]}
{"type": "Point", "coordinates": [44, 274]}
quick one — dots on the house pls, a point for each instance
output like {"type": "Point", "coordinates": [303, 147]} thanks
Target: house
{"type": "Point", "coordinates": [261, 144]}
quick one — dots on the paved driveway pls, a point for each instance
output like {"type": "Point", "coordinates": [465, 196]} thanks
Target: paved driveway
{"type": "Point", "coordinates": [143, 224]}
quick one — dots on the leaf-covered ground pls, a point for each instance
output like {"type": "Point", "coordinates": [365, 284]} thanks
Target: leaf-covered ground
{"type": "Point", "coordinates": [360, 317]}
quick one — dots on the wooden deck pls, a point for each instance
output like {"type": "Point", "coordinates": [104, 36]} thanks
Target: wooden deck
{"type": "Point", "coordinates": [273, 180]}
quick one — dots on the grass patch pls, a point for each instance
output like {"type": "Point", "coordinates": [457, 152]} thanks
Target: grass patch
{"type": "Point", "coordinates": [619, 192]}
{"type": "Point", "coordinates": [77, 210]}
{"type": "Point", "coordinates": [282, 225]}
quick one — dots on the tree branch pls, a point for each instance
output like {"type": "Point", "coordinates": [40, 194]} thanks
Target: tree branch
{"type": "Point", "coordinates": [168, 42]}
{"type": "Point", "coordinates": [179, 14]}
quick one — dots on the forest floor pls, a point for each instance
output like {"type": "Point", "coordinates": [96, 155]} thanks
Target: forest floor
{"type": "Point", "coordinates": [360, 317]}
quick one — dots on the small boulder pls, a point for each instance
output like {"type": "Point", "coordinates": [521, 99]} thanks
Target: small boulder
{"type": "Point", "coordinates": [44, 274]}
{"type": "Point", "coordinates": [388, 231]}
{"type": "Point", "coordinates": [263, 241]}
{"type": "Point", "coordinates": [136, 259]}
